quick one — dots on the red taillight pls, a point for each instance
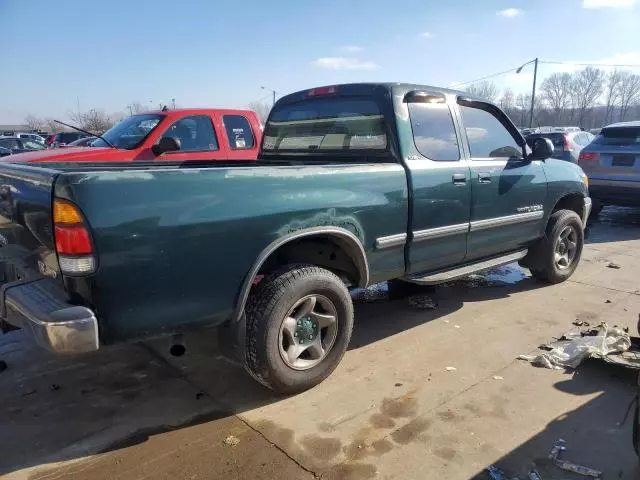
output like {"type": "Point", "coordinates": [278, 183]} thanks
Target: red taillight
{"type": "Point", "coordinates": [314, 92]}
{"type": "Point", "coordinates": [73, 241]}
{"type": "Point", "coordinates": [588, 156]}
{"type": "Point", "coordinates": [565, 142]}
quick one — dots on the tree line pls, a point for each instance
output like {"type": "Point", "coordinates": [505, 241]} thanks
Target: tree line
{"type": "Point", "coordinates": [589, 98]}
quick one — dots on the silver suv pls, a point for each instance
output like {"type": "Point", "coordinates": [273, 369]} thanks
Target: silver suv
{"type": "Point", "coordinates": [612, 163]}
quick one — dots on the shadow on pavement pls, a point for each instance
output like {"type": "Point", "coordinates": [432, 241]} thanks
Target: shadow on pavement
{"type": "Point", "coordinates": [594, 433]}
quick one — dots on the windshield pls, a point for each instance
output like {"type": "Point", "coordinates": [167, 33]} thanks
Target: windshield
{"type": "Point", "coordinates": [619, 136]}
{"type": "Point", "coordinates": [326, 124]}
{"type": "Point", "coordinates": [130, 132]}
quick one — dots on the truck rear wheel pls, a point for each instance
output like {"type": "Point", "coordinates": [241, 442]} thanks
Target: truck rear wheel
{"type": "Point", "coordinates": [299, 323]}
{"type": "Point", "coordinates": [556, 256]}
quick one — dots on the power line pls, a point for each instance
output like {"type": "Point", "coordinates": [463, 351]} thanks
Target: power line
{"type": "Point", "coordinates": [552, 62]}
{"type": "Point", "coordinates": [460, 84]}
{"type": "Point", "coordinates": [592, 64]}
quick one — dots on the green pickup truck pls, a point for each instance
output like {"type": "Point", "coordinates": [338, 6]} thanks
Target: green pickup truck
{"type": "Point", "coordinates": [354, 185]}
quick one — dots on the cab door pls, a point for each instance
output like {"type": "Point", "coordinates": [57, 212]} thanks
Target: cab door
{"type": "Point", "coordinates": [508, 190]}
{"type": "Point", "coordinates": [197, 137]}
{"type": "Point", "coordinates": [439, 177]}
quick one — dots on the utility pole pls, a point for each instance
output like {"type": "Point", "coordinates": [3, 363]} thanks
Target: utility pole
{"type": "Point", "coordinates": [173, 101]}
{"type": "Point", "coordinates": [274, 95]}
{"type": "Point", "coordinates": [533, 92]}
{"type": "Point", "coordinates": [130, 110]}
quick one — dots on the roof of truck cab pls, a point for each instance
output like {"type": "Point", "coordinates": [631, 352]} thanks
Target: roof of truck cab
{"type": "Point", "coordinates": [393, 86]}
{"type": "Point", "coordinates": [181, 112]}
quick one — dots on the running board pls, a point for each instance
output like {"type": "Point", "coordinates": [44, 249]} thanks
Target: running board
{"type": "Point", "coordinates": [465, 270]}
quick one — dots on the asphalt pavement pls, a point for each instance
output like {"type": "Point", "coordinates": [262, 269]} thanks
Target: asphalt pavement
{"type": "Point", "coordinates": [430, 388]}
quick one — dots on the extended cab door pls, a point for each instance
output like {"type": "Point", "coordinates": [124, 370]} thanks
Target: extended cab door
{"type": "Point", "coordinates": [508, 191]}
{"type": "Point", "coordinates": [440, 180]}
{"type": "Point", "coordinates": [198, 139]}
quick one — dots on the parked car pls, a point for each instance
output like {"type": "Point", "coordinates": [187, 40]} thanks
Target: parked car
{"type": "Point", "coordinates": [4, 152]}
{"type": "Point", "coordinates": [567, 145]}
{"type": "Point", "coordinates": [612, 163]}
{"type": "Point", "coordinates": [81, 142]}
{"type": "Point", "coordinates": [355, 184]}
{"type": "Point", "coordinates": [63, 138]}
{"type": "Point", "coordinates": [20, 145]}
{"type": "Point", "coordinates": [172, 136]}
{"type": "Point", "coordinates": [30, 136]}
{"type": "Point", "coordinates": [567, 129]}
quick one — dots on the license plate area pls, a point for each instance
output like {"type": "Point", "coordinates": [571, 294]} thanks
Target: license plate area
{"type": "Point", "coordinates": [623, 160]}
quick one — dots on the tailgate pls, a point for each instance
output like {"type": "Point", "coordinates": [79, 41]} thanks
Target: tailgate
{"type": "Point", "coordinates": [27, 244]}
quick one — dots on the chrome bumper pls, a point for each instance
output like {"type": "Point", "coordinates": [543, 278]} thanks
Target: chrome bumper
{"type": "Point", "coordinates": [38, 308]}
{"type": "Point", "coordinates": [586, 211]}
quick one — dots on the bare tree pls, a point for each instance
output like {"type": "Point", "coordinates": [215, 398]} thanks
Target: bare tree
{"type": "Point", "coordinates": [629, 92]}
{"type": "Point", "coordinates": [484, 89]}
{"type": "Point", "coordinates": [52, 126]}
{"type": "Point", "coordinates": [96, 121]}
{"type": "Point", "coordinates": [587, 89]}
{"type": "Point", "coordinates": [556, 92]}
{"type": "Point", "coordinates": [261, 109]}
{"type": "Point", "coordinates": [612, 94]}
{"type": "Point", "coordinates": [34, 123]}
{"type": "Point", "coordinates": [136, 108]}
{"type": "Point", "coordinates": [523, 106]}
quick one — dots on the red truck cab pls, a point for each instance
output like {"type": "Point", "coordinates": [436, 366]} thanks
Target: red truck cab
{"type": "Point", "coordinates": [198, 134]}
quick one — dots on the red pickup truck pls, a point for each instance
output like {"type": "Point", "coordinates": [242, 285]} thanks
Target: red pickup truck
{"type": "Point", "coordinates": [174, 135]}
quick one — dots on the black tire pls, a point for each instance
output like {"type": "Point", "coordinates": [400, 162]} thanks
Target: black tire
{"type": "Point", "coordinates": [267, 308]}
{"type": "Point", "coordinates": [541, 257]}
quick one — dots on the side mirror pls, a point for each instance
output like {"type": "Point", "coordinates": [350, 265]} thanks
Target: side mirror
{"type": "Point", "coordinates": [542, 149]}
{"type": "Point", "coordinates": [166, 144]}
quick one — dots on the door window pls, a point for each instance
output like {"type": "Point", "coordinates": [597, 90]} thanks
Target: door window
{"type": "Point", "coordinates": [487, 136]}
{"type": "Point", "coordinates": [195, 134]}
{"type": "Point", "coordinates": [433, 132]}
{"type": "Point", "coordinates": [238, 132]}
{"type": "Point", "coordinates": [9, 143]}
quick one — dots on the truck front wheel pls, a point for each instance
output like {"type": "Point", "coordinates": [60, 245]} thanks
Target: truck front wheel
{"type": "Point", "coordinates": [299, 323]}
{"type": "Point", "coordinates": [556, 256]}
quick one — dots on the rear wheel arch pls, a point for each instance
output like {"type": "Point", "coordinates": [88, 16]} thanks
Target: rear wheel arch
{"type": "Point", "coordinates": [342, 252]}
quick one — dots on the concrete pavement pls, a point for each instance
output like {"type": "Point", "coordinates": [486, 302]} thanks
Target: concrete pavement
{"type": "Point", "coordinates": [391, 410]}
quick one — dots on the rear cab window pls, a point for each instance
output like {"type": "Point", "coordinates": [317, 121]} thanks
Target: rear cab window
{"type": "Point", "coordinates": [433, 132]}
{"type": "Point", "coordinates": [238, 131]}
{"type": "Point", "coordinates": [336, 124]}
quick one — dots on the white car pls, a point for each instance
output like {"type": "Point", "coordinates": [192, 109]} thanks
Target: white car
{"type": "Point", "coordinates": [30, 136]}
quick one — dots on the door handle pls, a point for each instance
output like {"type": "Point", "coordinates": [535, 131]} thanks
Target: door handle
{"type": "Point", "coordinates": [459, 179]}
{"type": "Point", "coordinates": [484, 177]}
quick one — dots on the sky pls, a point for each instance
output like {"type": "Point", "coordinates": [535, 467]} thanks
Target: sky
{"type": "Point", "coordinates": [205, 53]}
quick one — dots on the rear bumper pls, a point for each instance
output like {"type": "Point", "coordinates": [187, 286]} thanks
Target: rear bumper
{"type": "Point", "coordinates": [623, 193]}
{"type": "Point", "coordinates": [40, 308]}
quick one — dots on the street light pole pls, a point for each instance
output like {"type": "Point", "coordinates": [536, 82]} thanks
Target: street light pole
{"type": "Point", "coordinates": [533, 92]}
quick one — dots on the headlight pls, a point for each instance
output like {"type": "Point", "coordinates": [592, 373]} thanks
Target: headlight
{"type": "Point", "coordinates": [585, 179]}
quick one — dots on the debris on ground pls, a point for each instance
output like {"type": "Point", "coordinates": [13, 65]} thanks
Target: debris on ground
{"type": "Point", "coordinates": [550, 468]}
{"type": "Point", "coordinates": [450, 369]}
{"type": "Point", "coordinates": [200, 394]}
{"type": "Point", "coordinates": [54, 387]}
{"type": "Point", "coordinates": [3, 365]}
{"type": "Point", "coordinates": [231, 441]}
{"type": "Point", "coordinates": [607, 301]}
{"type": "Point", "coordinates": [574, 347]}
{"type": "Point", "coordinates": [422, 302]}
{"type": "Point", "coordinates": [581, 323]}
{"type": "Point", "coordinates": [613, 265]}
{"type": "Point", "coordinates": [498, 377]}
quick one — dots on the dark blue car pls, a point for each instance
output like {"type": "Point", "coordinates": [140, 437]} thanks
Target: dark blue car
{"type": "Point", "coordinates": [20, 145]}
